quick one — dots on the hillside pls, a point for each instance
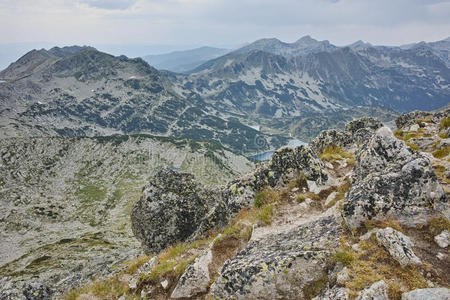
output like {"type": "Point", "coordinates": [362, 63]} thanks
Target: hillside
{"type": "Point", "coordinates": [65, 202]}
{"type": "Point", "coordinates": [360, 213]}
{"type": "Point", "coordinates": [90, 93]}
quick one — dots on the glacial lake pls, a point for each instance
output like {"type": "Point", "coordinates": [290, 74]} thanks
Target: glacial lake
{"type": "Point", "coordinates": [268, 154]}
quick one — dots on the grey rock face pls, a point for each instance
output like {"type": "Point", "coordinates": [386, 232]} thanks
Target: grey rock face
{"type": "Point", "coordinates": [280, 265]}
{"type": "Point", "coordinates": [443, 239]}
{"type": "Point", "coordinates": [392, 180]}
{"type": "Point", "coordinates": [195, 279]}
{"type": "Point", "coordinates": [398, 245]}
{"type": "Point", "coordinates": [173, 207]}
{"type": "Point", "coordinates": [356, 132]}
{"type": "Point", "coordinates": [427, 294]}
{"type": "Point", "coordinates": [377, 291]}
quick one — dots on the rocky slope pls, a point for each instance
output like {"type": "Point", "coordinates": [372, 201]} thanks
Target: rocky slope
{"type": "Point", "coordinates": [361, 213]}
{"type": "Point", "coordinates": [78, 91]}
{"type": "Point", "coordinates": [65, 202]}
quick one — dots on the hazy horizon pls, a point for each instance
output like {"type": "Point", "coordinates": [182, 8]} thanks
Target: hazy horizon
{"type": "Point", "coordinates": [144, 27]}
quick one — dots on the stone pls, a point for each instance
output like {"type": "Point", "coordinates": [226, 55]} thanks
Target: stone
{"type": "Point", "coordinates": [281, 264]}
{"type": "Point", "coordinates": [441, 256]}
{"type": "Point", "coordinates": [392, 180]}
{"type": "Point", "coordinates": [334, 293]}
{"type": "Point", "coordinates": [164, 284]}
{"type": "Point", "coordinates": [343, 276]}
{"type": "Point", "coordinates": [427, 294]}
{"type": "Point", "coordinates": [196, 278]}
{"type": "Point", "coordinates": [443, 239]}
{"type": "Point", "coordinates": [398, 245]}
{"type": "Point", "coordinates": [414, 127]}
{"type": "Point", "coordinates": [377, 291]}
{"type": "Point", "coordinates": [174, 207]}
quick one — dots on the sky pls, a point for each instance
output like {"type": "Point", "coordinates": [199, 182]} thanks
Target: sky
{"type": "Point", "coordinates": [141, 27]}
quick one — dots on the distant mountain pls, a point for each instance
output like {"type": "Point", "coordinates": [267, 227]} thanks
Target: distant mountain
{"type": "Point", "coordinates": [304, 45]}
{"type": "Point", "coordinates": [90, 93]}
{"type": "Point", "coordinates": [184, 61]}
{"type": "Point", "coordinates": [272, 85]}
{"type": "Point", "coordinates": [439, 48]}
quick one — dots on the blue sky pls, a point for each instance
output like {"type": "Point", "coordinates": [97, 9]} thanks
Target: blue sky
{"type": "Point", "coordinates": [189, 23]}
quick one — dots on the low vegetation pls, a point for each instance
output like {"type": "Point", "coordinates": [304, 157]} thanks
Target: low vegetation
{"type": "Point", "coordinates": [333, 153]}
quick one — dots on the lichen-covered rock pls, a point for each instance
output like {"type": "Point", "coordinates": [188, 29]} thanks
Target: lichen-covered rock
{"type": "Point", "coordinates": [362, 129]}
{"type": "Point", "coordinates": [301, 158]}
{"type": "Point", "coordinates": [443, 239]}
{"type": "Point", "coordinates": [427, 294]}
{"type": "Point", "coordinates": [174, 207]}
{"type": "Point", "coordinates": [339, 138]}
{"type": "Point", "coordinates": [334, 294]}
{"type": "Point", "coordinates": [392, 180]}
{"type": "Point", "coordinates": [356, 132]}
{"type": "Point", "coordinates": [37, 291]}
{"type": "Point", "coordinates": [196, 278]}
{"type": "Point", "coordinates": [377, 291]}
{"type": "Point", "coordinates": [398, 245]}
{"type": "Point", "coordinates": [280, 265]}
{"type": "Point", "coordinates": [409, 119]}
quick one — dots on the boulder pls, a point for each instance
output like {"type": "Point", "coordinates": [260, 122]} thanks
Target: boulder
{"type": "Point", "coordinates": [175, 208]}
{"type": "Point", "coordinates": [282, 265]}
{"type": "Point", "coordinates": [443, 239]}
{"type": "Point", "coordinates": [377, 291]}
{"type": "Point", "coordinates": [398, 245]}
{"type": "Point", "coordinates": [326, 138]}
{"type": "Point", "coordinates": [427, 294]}
{"type": "Point", "coordinates": [392, 180]}
{"type": "Point", "coordinates": [196, 278]}
{"type": "Point", "coordinates": [37, 291]}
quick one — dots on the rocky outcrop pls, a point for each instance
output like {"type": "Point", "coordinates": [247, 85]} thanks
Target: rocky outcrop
{"type": "Point", "coordinates": [413, 117]}
{"type": "Point", "coordinates": [423, 294]}
{"type": "Point", "coordinates": [174, 207]}
{"type": "Point", "coordinates": [398, 245]}
{"type": "Point", "coordinates": [392, 180]}
{"type": "Point", "coordinates": [280, 265]}
{"type": "Point", "coordinates": [356, 132]}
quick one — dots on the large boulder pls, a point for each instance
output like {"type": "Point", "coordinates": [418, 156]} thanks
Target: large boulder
{"type": "Point", "coordinates": [392, 180]}
{"type": "Point", "coordinates": [174, 207]}
{"type": "Point", "coordinates": [356, 132]}
{"type": "Point", "coordinates": [282, 265]}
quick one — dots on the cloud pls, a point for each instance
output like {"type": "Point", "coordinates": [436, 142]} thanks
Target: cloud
{"type": "Point", "coordinates": [109, 4]}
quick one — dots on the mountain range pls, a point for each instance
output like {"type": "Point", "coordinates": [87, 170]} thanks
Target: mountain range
{"type": "Point", "coordinates": [79, 91]}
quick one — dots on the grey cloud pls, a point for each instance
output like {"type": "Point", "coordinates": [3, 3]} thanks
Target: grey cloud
{"type": "Point", "coordinates": [109, 4]}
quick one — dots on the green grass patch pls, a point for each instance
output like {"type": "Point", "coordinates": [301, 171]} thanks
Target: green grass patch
{"type": "Point", "coordinates": [265, 214]}
{"type": "Point", "coordinates": [445, 123]}
{"type": "Point", "coordinates": [333, 153]}
{"type": "Point", "coordinates": [441, 153]}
